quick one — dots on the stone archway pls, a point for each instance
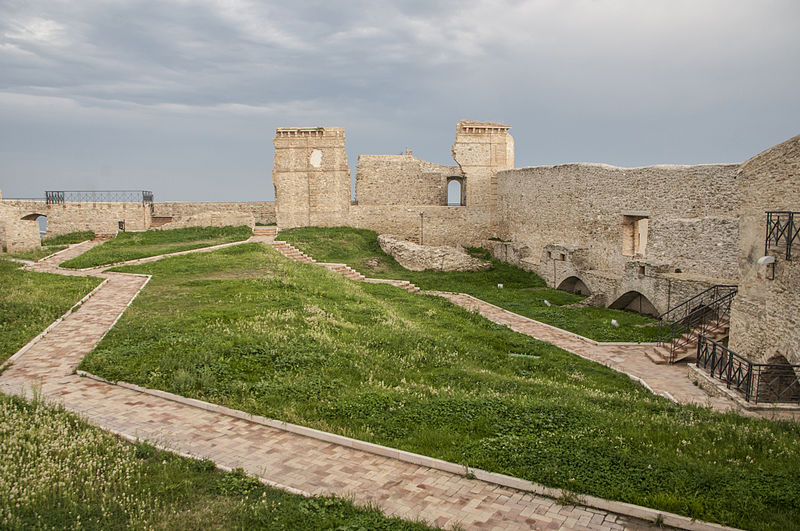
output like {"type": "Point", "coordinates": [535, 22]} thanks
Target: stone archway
{"type": "Point", "coordinates": [778, 381]}
{"type": "Point", "coordinates": [574, 284]}
{"type": "Point", "coordinates": [635, 302]}
{"type": "Point", "coordinates": [41, 220]}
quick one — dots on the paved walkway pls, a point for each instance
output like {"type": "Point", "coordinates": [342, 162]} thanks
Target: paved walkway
{"type": "Point", "coordinates": [630, 359]}
{"type": "Point", "coordinates": [399, 488]}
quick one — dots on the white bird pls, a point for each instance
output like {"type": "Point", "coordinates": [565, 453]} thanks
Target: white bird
{"type": "Point", "coordinates": [615, 323]}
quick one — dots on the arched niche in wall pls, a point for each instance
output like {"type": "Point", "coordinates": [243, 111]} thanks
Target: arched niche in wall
{"type": "Point", "coordinates": [574, 285]}
{"type": "Point", "coordinates": [456, 191]}
{"type": "Point", "coordinates": [635, 302]}
{"type": "Point", "coordinates": [779, 381]}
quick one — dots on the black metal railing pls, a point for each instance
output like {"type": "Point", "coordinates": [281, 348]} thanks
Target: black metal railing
{"type": "Point", "coordinates": [57, 197]}
{"type": "Point", "coordinates": [701, 314]}
{"type": "Point", "coordinates": [757, 382]}
{"type": "Point", "coordinates": [783, 229]}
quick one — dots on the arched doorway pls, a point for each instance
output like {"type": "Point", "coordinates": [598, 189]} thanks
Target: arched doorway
{"type": "Point", "coordinates": [575, 285]}
{"type": "Point", "coordinates": [456, 191]}
{"type": "Point", "coordinates": [41, 221]}
{"type": "Point", "coordinates": [635, 302]}
{"type": "Point", "coordinates": [778, 382]}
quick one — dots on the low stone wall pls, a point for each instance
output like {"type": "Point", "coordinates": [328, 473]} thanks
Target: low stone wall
{"type": "Point", "coordinates": [428, 257]}
{"type": "Point", "coordinates": [102, 218]}
{"type": "Point", "coordinates": [440, 225]}
{"type": "Point", "coordinates": [261, 211]}
{"type": "Point", "coordinates": [211, 219]}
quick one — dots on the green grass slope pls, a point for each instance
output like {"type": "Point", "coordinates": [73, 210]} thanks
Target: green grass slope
{"type": "Point", "coordinates": [133, 245]}
{"type": "Point", "coordinates": [523, 292]}
{"type": "Point", "coordinates": [246, 328]}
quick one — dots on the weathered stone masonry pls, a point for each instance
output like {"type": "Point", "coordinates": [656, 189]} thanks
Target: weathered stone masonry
{"type": "Point", "coordinates": [637, 238]}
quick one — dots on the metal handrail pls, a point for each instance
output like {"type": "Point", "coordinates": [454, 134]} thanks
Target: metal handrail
{"type": "Point", "coordinates": [713, 290]}
{"type": "Point", "coordinates": [695, 316]}
{"type": "Point", "coordinates": [782, 230]}
{"type": "Point", "coordinates": [57, 197]}
{"type": "Point", "coordinates": [758, 382]}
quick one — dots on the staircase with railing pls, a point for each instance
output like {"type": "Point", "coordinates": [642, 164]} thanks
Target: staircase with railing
{"type": "Point", "coordinates": [706, 313]}
{"type": "Point", "coordinates": [757, 382]}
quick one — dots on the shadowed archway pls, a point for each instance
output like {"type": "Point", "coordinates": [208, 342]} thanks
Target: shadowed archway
{"type": "Point", "coordinates": [778, 381]}
{"type": "Point", "coordinates": [574, 284]}
{"type": "Point", "coordinates": [635, 302]}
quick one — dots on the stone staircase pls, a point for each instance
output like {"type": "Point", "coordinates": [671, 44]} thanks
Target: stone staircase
{"type": "Point", "coordinates": [687, 351]}
{"type": "Point", "coordinates": [265, 231]}
{"type": "Point", "coordinates": [404, 284]}
{"type": "Point", "coordinates": [290, 251]}
{"type": "Point", "coordinates": [346, 270]}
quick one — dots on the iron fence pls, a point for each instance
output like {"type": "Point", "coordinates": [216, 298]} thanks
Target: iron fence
{"type": "Point", "coordinates": [56, 197]}
{"type": "Point", "coordinates": [757, 382]}
{"type": "Point", "coordinates": [698, 315]}
{"type": "Point", "coordinates": [783, 229]}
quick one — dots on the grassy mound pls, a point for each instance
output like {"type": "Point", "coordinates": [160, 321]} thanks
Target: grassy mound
{"type": "Point", "coordinates": [523, 292]}
{"type": "Point", "coordinates": [133, 245]}
{"type": "Point", "coordinates": [246, 328]}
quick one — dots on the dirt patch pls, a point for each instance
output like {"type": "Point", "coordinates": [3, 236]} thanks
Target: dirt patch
{"type": "Point", "coordinates": [375, 264]}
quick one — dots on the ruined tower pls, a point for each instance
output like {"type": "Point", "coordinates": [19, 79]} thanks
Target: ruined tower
{"type": "Point", "coordinates": [481, 150]}
{"type": "Point", "coordinates": [311, 177]}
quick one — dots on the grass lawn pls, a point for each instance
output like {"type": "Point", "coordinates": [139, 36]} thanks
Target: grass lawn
{"type": "Point", "coordinates": [53, 245]}
{"type": "Point", "coordinates": [523, 292]}
{"type": "Point", "coordinates": [132, 245]}
{"type": "Point", "coordinates": [246, 328]}
{"type": "Point", "coordinates": [58, 472]}
{"type": "Point", "coordinates": [29, 302]}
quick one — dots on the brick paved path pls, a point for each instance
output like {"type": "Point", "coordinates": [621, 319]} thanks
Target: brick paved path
{"type": "Point", "coordinates": [629, 359]}
{"type": "Point", "coordinates": [288, 459]}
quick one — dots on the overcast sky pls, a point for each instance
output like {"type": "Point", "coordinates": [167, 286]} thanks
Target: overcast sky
{"type": "Point", "coordinates": [183, 97]}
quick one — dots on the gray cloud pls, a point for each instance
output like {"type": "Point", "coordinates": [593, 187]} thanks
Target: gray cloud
{"type": "Point", "coordinates": [183, 97]}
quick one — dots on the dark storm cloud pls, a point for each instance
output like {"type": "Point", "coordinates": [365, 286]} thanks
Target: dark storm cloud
{"type": "Point", "coordinates": [182, 96]}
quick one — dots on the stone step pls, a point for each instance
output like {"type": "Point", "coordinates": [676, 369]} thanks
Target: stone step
{"type": "Point", "coordinates": [265, 231]}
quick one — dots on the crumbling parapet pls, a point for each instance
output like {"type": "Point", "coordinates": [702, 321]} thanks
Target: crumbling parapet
{"type": "Point", "coordinates": [481, 150]}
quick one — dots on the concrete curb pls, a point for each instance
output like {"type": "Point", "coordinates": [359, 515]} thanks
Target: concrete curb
{"type": "Point", "coordinates": [134, 440]}
{"type": "Point", "coordinates": [52, 325]}
{"type": "Point", "coordinates": [621, 508]}
{"type": "Point", "coordinates": [567, 332]}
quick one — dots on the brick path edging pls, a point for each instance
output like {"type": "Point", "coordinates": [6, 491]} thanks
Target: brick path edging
{"type": "Point", "coordinates": [55, 323]}
{"type": "Point", "coordinates": [69, 246]}
{"type": "Point", "coordinates": [633, 377]}
{"type": "Point", "coordinates": [621, 508]}
{"type": "Point", "coordinates": [567, 332]}
{"type": "Point", "coordinates": [133, 440]}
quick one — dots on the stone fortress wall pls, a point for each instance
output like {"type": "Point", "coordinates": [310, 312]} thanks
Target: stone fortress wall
{"type": "Point", "coordinates": [765, 317]}
{"type": "Point", "coordinates": [19, 230]}
{"type": "Point", "coordinates": [262, 211]}
{"type": "Point", "coordinates": [643, 238]}
{"type": "Point", "coordinates": [637, 238]}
